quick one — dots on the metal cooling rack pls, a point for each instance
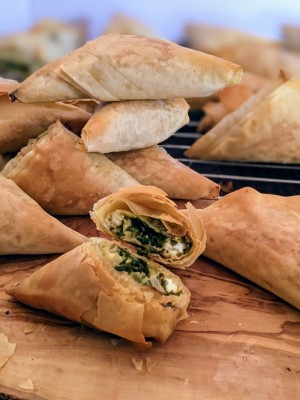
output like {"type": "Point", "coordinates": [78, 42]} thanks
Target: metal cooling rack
{"type": "Point", "coordinates": [281, 179]}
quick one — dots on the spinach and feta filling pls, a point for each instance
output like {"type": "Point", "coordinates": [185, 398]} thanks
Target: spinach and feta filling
{"type": "Point", "coordinates": [140, 271]}
{"type": "Point", "coordinates": [148, 233]}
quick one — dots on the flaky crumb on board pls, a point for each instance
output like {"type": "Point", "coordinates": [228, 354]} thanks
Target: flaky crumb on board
{"type": "Point", "coordinates": [6, 349]}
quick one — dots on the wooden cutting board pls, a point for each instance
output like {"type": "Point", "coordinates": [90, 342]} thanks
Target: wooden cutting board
{"type": "Point", "coordinates": [239, 342]}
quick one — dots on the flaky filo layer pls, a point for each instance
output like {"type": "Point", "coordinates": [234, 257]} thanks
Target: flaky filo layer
{"type": "Point", "coordinates": [60, 177]}
{"type": "Point", "coordinates": [266, 128]}
{"type": "Point", "coordinates": [21, 122]}
{"type": "Point", "coordinates": [94, 285]}
{"type": "Point", "coordinates": [126, 125]}
{"type": "Point", "coordinates": [153, 166]}
{"type": "Point", "coordinates": [258, 236]}
{"type": "Point", "coordinates": [126, 67]}
{"type": "Point", "coordinates": [146, 218]}
{"type": "Point", "coordinates": [25, 228]}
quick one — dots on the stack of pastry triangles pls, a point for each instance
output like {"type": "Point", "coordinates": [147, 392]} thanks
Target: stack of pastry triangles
{"type": "Point", "coordinates": [140, 84]}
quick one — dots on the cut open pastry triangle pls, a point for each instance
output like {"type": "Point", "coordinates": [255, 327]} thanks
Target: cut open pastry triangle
{"type": "Point", "coordinates": [144, 217]}
{"type": "Point", "coordinates": [98, 284]}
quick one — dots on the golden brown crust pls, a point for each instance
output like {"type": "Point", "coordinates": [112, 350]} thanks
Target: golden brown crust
{"type": "Point", "coordinates": [82, 285]}
{"type": "Point", "coordinates": [258, 236]}
{"type": "Point", "coordinates": [126, 125]}
{"type": "Point", "coordinates": [149, 201]}
{"type": "Point", "coordinates": [213, 39]}
{"type": "Point", "coordinates": [25, 228]}
{"type": "Point", "coordinates": [153, 166]}
{"type": "Point", "coordinates": [61, 178]}
{"type": "Point", "coordinates": [125, 67]}
{"type": "Point", "coordinates": [21, 122]}
{"type": "Point", "coordinates": [265, 128]}
{"type": "Point", "coordinates": [263, 59]}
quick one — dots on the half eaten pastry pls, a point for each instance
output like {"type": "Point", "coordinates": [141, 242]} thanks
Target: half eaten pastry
{"type": "Point", "coordinates": [146, 218]}
{"type": "Point", "coordinates": [108, 287]}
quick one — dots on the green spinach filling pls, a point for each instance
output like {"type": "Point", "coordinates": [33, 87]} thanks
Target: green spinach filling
{"type": "Point", "coordinates": [150, 234]}
{"type": "Point", "coordinates": [138, 269]}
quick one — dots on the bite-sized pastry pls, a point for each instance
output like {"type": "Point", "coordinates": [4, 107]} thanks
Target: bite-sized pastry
{"type": "Point", "coordinates": [258, 236]}
{"type": "Point", "coordinates": [266, 128]}
{"type": "Point", "coordinates": [153, 166]}
{"type": "Point", "coordinates": [255, 54]}
{"type": "Point", "coordinates": [21, 122]}
{"type": "Point", "coordinates": [263, 59]}
{"type": "Point", "coordinates": [135, 124]}
{"type": "Point", "coordinates": [22, 53]}
{"type": "Point", "coordinates": [25, 228]}
{"type": "Point", "coordinates": [213, 38]}
{"type": "Point", "coordinates": [109, 287]}
{"type": "Point", "coordinates": [146, 218]}
{"type": "Point", "coordinates": [291, 36]}
{"type": "Point", "coordinates": [61, 178]}
{"type": "Point", "coordinates": [126, 67]}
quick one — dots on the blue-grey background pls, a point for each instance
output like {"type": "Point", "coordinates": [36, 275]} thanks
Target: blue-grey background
{"type": "Point", "coordinates": [166, 18]}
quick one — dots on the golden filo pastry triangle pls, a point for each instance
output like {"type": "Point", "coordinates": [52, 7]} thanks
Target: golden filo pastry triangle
{"type": "Point", "coordinates": [258, 236]}
{"type": "Point", "coordinates": [213, 38]}
{"type": "Point", "coordinates": [290, 36]}
{"type": "Point", "coordinates": [126, 67]}
{"type": "Point", "coordinates": [266, 128]}
{"type": "Point", "coordinates": [110, 288]}
{"type": "Point", "coordinates": [25, 228]}
{"type": "Point", "coordinates": [21, 122]}
{"type": "Point", "coordinates": [263, 59]}
{"type": "Point", "coordinates": [144, 217]}
{"type": "Point", "coordinates": [133, 124]}
{"type": "Point", "coordinates": [61, 178]}
{"type": "Point", "coordinates": [155, 167]}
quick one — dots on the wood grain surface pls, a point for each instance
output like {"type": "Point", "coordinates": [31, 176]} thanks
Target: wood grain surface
{"type": "Point", "coordinates": [239, 342]}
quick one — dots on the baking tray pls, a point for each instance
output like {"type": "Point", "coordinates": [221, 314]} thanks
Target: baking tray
{"type": "Point", "coordinates": [280, 179]}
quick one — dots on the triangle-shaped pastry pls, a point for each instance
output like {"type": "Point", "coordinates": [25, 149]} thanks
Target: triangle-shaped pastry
{"type": "Point", "coordinates": [25, 228]}
{"type": "Point", "coordinates": [263, 59]}
{"type": "Point", "coordinates": [135, 124]}
{"type": "Point", "coordinates": [125, 67]}
{"type": "Point", "coordinates": [153, 166]}
{"type": "Point", "coordinates": [60, 177]}
{"type": "Point", "coordinates": [266, 128]}
{"type": "Point", "coordinates": [143, 216]}
{"type": "Point", "coordinates": [258, 236]}
{"type": "Point", "coordinates": [20, 122]}
{"type": "Point", "coordinates": [214, 38]}
{"type": "Point", "coordinates": [108, 287]}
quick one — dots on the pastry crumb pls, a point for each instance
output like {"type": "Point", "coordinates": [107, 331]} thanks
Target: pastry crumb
{"type": "Point", "coordinates": [27, 385]}
{"type": "Point", "coordinates": [138, 364]}
{"type": "Point", "coordinates": [7, 349]}
{"type": "Point", "coordinates": [28, 329]}
{"type": "Point", "coordinates": [116, 341]}
{"type": "Point", "coordinates": [150, 364]}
